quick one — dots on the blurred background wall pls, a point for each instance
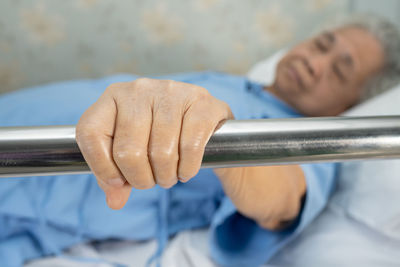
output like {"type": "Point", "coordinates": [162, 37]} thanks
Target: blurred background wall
{"type": "Point", "coordinates": [50, 40]}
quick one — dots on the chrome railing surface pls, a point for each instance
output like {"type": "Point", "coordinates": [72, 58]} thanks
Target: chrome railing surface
{"type": "Point", "coordinates": [52, 150]}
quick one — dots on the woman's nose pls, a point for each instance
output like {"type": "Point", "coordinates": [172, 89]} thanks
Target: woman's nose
{"type": "Point", "coordinates": [317, 64]}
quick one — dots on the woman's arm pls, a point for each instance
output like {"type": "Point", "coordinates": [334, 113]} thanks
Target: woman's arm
{"type": "Point", "coordinates": [271, 195]}
{"type": "Point", "coordinates": [147, 132]}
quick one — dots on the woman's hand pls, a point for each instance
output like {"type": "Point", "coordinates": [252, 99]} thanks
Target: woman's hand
{"type": "Point", "coordinates": [270, 195]}
{"type": "Point", "coordinates": [147, 132]}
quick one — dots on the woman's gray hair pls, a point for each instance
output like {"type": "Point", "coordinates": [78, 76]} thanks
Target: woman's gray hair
{"type": "Point", "coordinates": [389, 36]}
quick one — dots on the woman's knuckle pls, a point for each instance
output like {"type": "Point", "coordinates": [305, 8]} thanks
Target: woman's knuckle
{"type": "Point", "coordinates": [187, 173]}
{"type": "Point", "coordinates": [120, 156]}
{"type": "Point", "coordinates": [128, 156]}
{"type": "Point", "coordinates": [79, 134]}
{"type": "Point", "coordinates": [143, 185]}
{"type": "Point", "coordinates": [142, 83]}
{"type": "Point", "coordinates": [163, 156]}
{"type": "Point", "coordinates": [170, 84]}
{"type": "Point", "coordinates": [115, 87]}
{"type": "Point", "coordinates": [84, 135]}
{"type": "Point", "coordinates": [192, 148]}
{"type": "Point", "coordinates": [167, 184]}
{"type": "Point", "coordinates": [203, 95]}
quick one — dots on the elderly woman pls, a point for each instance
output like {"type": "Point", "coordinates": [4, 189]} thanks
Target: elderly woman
{"type": "Point", "coordinates": [143, 133]}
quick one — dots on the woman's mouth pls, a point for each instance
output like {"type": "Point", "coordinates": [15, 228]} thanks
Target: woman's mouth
{"type": "Point", "coordinates": [294, 74]}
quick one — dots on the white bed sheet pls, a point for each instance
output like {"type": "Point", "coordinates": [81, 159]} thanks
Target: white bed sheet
{"type": "Point", "coordinates": [186, 249]}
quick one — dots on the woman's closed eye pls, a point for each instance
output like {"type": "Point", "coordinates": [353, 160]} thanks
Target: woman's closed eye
{"type": "Point", "coordinates": [325, 42]}
{"type": "Point", "coordinates": [343, 67]}
{"type": "Point", "coordinates": [321, 46]}
{"type": "Point", "coordinates": [339, 73]}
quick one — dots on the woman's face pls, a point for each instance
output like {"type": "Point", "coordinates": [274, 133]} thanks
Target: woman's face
{"type": "Point", "coordinates": [325, 75]}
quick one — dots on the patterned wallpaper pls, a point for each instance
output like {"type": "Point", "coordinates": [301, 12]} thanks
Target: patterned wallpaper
{"type": "Point", "coordinates": [50, 40]}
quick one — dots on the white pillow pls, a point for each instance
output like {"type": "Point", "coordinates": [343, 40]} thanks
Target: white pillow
{"type": "Point", "coordinates": [383, 104]}
{"type": "Point", "coordinates": [369, 191]}
{"type": "Point", "coordinates": [264, 71]}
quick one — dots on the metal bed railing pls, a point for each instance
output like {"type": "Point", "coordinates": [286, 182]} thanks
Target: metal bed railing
{"type": "Point", "coordinates": [52, 150]}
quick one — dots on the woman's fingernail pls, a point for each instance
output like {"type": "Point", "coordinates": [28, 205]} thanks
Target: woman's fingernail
{"type": "Point", "coordinates": [116, 182]}
{"type": "Point", "coordinates": [182, 180]}
{"type": "Point", "coordinates": [108, 200]}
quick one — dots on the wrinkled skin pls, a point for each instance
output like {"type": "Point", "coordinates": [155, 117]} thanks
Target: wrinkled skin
{"type": "Point", "coordinates": [325, 75]}
{"type": "Point", "coordinates": [147, 132]}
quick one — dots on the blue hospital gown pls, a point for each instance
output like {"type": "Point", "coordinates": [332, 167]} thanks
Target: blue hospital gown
{"type": "Point", "coordinates": [43, 215]}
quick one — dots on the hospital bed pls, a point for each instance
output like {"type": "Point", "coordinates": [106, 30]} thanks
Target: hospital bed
{"type": "Point", "coordinates": [352, 140]}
